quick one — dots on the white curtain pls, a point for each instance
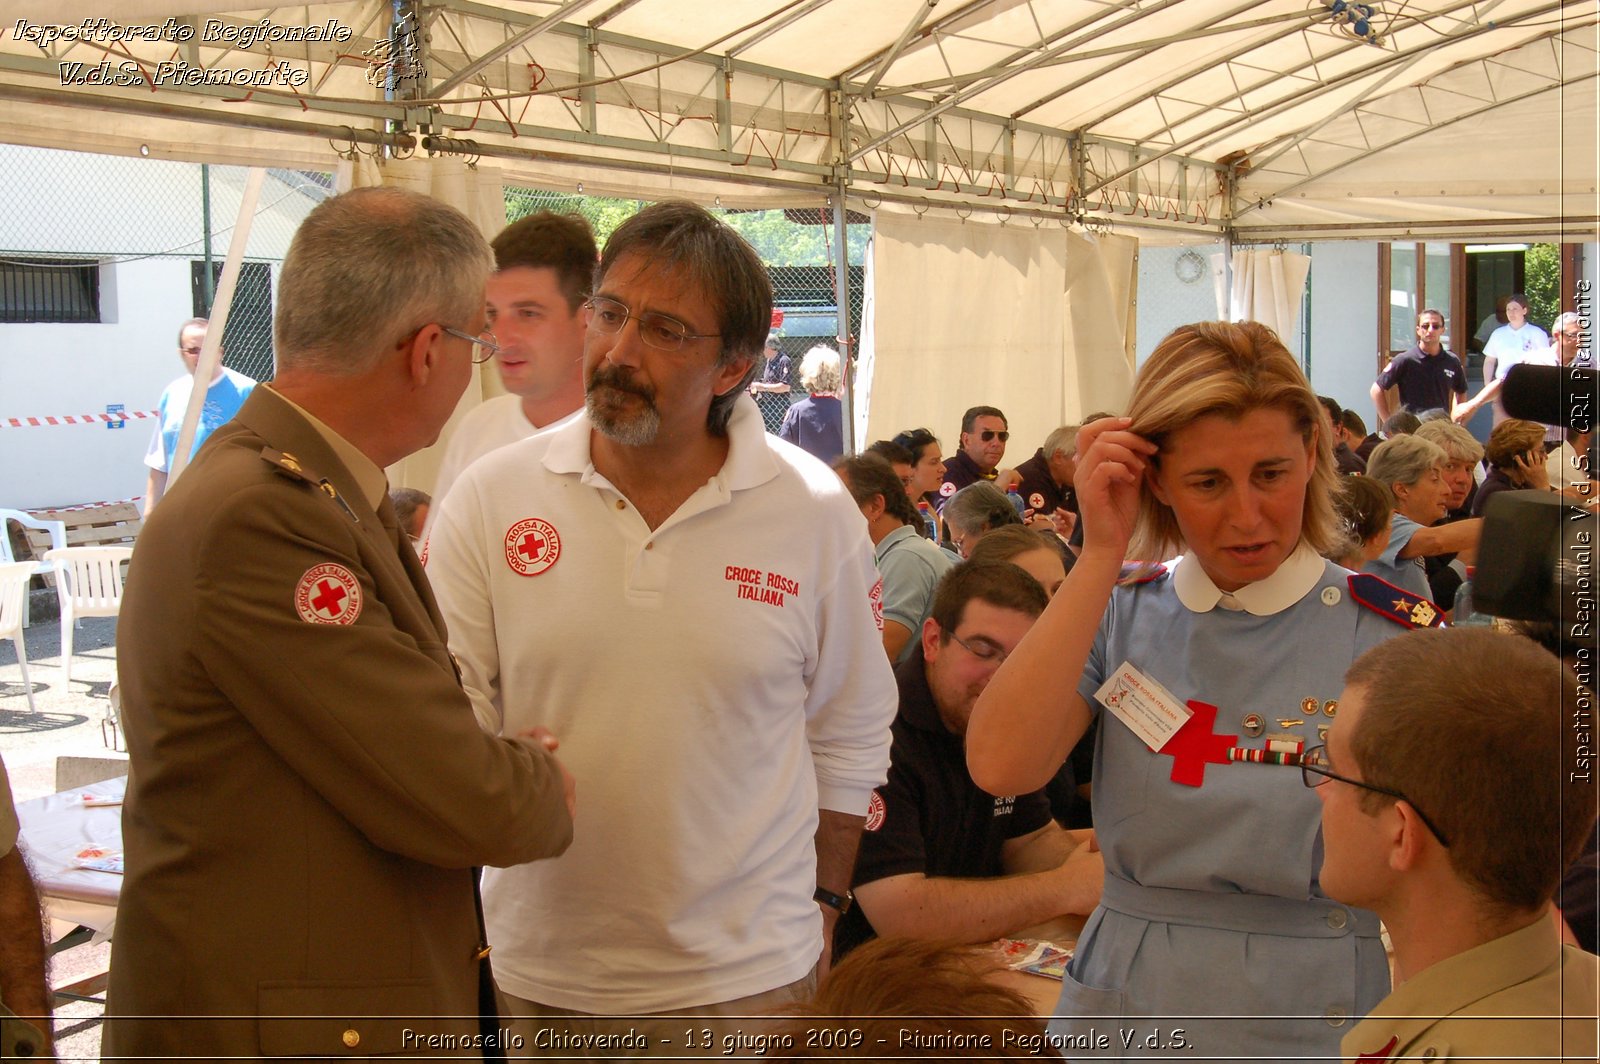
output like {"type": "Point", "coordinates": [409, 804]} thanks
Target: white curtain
{"type": "Point", "coordinates": [1268, 286]}
{"type": "Point", "coordinates": [475, 191]}
{"type": "Point", "coordinates": [1033, 320]}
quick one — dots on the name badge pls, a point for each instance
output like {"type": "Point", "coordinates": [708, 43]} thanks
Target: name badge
{"type": "Point", "coordinates": [1149, 710]}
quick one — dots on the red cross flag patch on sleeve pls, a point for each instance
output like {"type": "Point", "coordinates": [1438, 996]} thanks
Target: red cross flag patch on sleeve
{"type": "Point", "coordinates": [532, 546]}
{"type": "Point", "coordinates": [328, 594]}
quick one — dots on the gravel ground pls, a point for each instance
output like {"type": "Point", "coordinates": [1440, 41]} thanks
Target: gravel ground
{"type": "Point", "coordinates": [66, 722]}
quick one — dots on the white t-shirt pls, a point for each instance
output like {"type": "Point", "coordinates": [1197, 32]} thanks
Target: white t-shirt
{"type": "Point", "coordinates": [489, 425]}
{"type": "Point", "coordinates": [712, 682]}
{"type": "Point", "coordinates": [1510, 346]}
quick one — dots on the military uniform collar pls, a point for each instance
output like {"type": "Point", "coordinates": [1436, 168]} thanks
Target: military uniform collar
{"type": "Point", "coordinates": [369, 478]}
{"type": "Point", "coordinates": [1297, 575]}
{"type": "Point", "coordinates": [1413, 1007]}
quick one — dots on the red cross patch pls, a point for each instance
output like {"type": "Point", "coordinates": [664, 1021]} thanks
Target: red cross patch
{"type": "Point", "coordinates": [328, 594]}
{"type": "Point", "coordinates": [1194, 746]}
{"type": "Point", "coordinates": [1036, 501]}
{"type": "Point", "coordinates": [532, 546]}
{"type": "Point", "coordinates": [947, 489]}
{"type": "Point", "coordinates": [875, 596]}
{"type": "Point", "coordinates": [875, 813]}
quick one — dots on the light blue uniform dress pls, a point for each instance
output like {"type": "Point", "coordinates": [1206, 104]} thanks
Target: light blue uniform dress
{"type": "Point", "coordinates": [1212, 922]}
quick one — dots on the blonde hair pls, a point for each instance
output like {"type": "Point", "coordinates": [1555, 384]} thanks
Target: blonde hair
{"type": "Point", "coordinates": [819, 370]}
{"type": "Point", "coordinates": [1227, 369]}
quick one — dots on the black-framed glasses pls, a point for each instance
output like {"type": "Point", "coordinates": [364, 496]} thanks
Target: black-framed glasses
{"type": "Point", "coordinates": [657, 330]}
{"type": "Point", "coordinates": [1314, 772]}
{"type": "Point", "coordinates": [983, 650]}
{"type": "Point", "coordinates": [485, 344]}
{"type": "Point", "coordinates": [988, 434]}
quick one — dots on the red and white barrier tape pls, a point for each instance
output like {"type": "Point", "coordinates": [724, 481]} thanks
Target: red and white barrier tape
{"type": "Point", "coordinates": [71, 419]}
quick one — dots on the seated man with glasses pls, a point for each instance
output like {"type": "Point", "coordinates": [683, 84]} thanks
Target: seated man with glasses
{"type": "Point", "coordinates": [1455, 788]}
{"type": "Point", "coordinates": [983, 443]}
{"type": "Point", "coordinates": [1427, 376]}
{"type": "Point", "coordinates": [940, 858]}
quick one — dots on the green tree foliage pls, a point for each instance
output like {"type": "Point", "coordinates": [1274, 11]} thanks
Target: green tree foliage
{"type": "Point", "coordinates": [1542, 278]}
{"type": "Point", "coordinates": [776, 239]}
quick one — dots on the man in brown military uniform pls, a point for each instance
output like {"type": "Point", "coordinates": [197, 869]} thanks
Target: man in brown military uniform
{"type": "Point", "coordinates": [310, 791]}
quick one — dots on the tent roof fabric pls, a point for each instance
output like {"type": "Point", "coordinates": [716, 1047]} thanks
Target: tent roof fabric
{"type": "Point", "coordinates": [1260, 119]}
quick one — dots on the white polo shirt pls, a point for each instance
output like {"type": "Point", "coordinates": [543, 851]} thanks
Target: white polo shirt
{"type": "Point", "coordinates": [712, 683]}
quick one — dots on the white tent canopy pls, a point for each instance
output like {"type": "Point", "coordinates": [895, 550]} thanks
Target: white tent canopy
{"type": "Point", "coordinates": [1263, 120]}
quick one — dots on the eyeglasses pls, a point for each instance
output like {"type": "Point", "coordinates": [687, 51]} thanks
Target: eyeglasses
{"type": "Point", "coordinates": [485, 341]}
{"type": "Point", "coordinates": [988, 434]}
{"type": "Point", "coordinates": [1314, 772]}
{"type": "Point", "coordinates": [656, 330]}
{"type": "Point", "coordinates": [984, 651]}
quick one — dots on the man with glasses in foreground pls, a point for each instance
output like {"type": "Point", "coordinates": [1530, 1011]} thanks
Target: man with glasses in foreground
{"type": "Point", "coordinates": [1428, 376]}
{"type": "Point", "coordinates": [309, 789]}
{"type": "Point", "coordinates": [1456, 787]}
{"type": "Point", "coordinates": [941, 859]}
{"type": "Point", "coordinates": [690, 605]}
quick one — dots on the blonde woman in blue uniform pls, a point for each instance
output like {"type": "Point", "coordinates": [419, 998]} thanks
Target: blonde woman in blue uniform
{"type": "Point", "coordinates": [1213, 938]}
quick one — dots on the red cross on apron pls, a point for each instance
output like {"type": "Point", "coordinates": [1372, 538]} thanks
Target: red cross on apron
{"type": "Point", "coordinates": [1194, 746]}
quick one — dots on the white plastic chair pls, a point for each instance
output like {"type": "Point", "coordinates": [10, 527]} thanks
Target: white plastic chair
{"type": "Point", "coordinates": [58, 539]}
{"type": "Point", "coordinates": [13, 598]}
{"type": "Point", "coordinates": [89, 584]}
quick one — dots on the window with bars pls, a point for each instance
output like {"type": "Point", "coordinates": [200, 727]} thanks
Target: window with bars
{"type": "Point", "coordinates": [49, 290]}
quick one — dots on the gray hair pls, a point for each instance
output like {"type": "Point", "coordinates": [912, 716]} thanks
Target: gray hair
{"type": "Point", "coordinates": [367, 269]}
{"type": "Point", "coordinates": [193, 323]}
{"type": "Point", "coordinates": [978, 507]}
{"type": "Point", "coordinates": [819, 370]}
{"type": "Point", "coordinates": [718, 262]}
{"type": "Point", "coordinates": [1404, 460]}
{"type": "Point", "coordinates": [1458, 444]}
{"type": "Point", "coordinates": [1062, 441]}
{"type": "Point", "coordinates": [1564, 319]}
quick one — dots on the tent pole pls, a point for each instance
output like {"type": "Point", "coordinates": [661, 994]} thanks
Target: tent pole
{"type": "Point", "coordinates": [841, 290]}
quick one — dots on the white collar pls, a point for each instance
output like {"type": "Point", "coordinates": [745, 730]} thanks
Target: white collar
{"type": "Point", "coordinates": [748, 464]}
{"type": "Point", "coordinates": [1289, 584]}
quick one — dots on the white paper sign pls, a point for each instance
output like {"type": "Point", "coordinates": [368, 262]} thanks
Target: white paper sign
{"type": "Point", "coordinates": [1147, 708]}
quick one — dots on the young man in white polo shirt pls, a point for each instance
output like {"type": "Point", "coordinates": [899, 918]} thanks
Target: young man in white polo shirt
{"type": "Point", "coordinates": [544, 265]}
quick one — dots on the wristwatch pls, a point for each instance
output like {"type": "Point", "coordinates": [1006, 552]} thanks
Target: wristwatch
{"type": "Point", "coordinates": [840, 902]}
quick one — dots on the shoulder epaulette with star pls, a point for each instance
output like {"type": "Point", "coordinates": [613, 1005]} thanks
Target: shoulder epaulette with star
{"type": "Point", "coordinates": [291, 467]}
{"type": "Point", "coordinates": [1396, 603]}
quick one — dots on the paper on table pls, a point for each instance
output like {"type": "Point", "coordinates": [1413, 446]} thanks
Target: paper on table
{"type": "Point", "coordinates": [98, 860]}
{"type": "Point", "coordinates": [1030, 955]}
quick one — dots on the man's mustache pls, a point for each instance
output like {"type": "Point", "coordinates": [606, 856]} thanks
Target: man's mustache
{"type": "Point", "coordinates": [618, 378]}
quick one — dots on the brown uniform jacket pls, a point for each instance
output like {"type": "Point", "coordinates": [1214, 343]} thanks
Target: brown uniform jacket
{"type": "Point", "coordinates": [307, 799]}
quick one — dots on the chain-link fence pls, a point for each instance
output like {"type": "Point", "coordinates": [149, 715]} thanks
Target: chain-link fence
{"type": "Point", "coordinates": [798, 246]}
